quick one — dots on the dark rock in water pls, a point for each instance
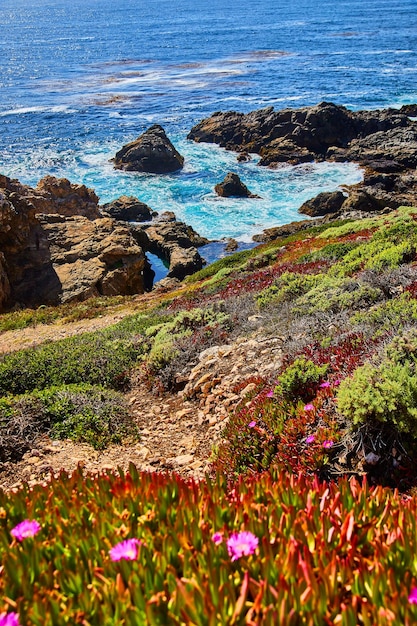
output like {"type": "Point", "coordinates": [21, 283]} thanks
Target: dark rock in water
{"type": "Point", "coordinates": [231, 245]}
{"type": "Point", "coordinates": [232, 186]}
{"type": "Point", "coordinates": [151, 152]}
{"type": "Point", "coordinates": [243, 157]}
{"type": "Point", "coordinates": [128, 209]}
{"type": "Point", "coordinates": [409, 109]}
{"type": "Point", "coordinates": [323, 204]}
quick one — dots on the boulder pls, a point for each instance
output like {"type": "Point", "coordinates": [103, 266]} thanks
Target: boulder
{"type": "Point", "coordinates": [323, 204]}
{"type": "Point", "coordinates": [151, 152]}
{"type": "Point", "coordinates": [232, 186]}
{"type": "Point", "coordinates": [128, 209]}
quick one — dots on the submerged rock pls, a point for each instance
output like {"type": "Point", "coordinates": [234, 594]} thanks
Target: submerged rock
{"type": "Point", "coordinates": [151, 152]}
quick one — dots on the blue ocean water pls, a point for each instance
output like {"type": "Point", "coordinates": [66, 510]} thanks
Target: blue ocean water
{"type": "Point", "coordinates": [80, 78]}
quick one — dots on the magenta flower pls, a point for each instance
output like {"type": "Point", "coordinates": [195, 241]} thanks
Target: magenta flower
{"type": "Point", "coordinates": [9, 619]}
{"type": "Point", "coordinates": [241, 544]}
{"type": "Point", "coordinates": [336, 382]}
{"type": "Point", "coordinates": [270, 393]}
{"type": "Point", "coordinates": [217, 538]}
{"type": "Point", "coordinates": [252, 424]}
{"type": "Point", "coordinates": [27, 528]}
{"type": "Point", "coordinates": [127, 549]}
{"type": "Point", "coordinates": [412, 598]}
{"type": "Point", "coordinates": [310, 438]}
{"type": "Point", "coordinates": [325, 385]}
{"type": "Point", "coordinates": [328, 443]}
{"type": "Point", "coordinates": [309, 407]}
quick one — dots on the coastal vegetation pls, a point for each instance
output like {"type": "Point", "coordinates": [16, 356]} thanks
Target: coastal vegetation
{"type": "Point", "coordinates": [308, 512]}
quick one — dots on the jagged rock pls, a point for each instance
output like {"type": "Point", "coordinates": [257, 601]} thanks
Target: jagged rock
{"type": "Point", "coordinates": [47, 259]}
{"type": "Point", "coordinates": [232, 186]}
{"type": "Point", "coordinates": [128, 209]}
{"type": "Point", "coordinates": [323, 204]}
{"type": "Point", "coordinates": [298, 135]}
{"type": "Point", "coordinates": [93, 257]}
{"type": "Point", "coordinates": [151, 152]}
{"type": "Point", "coordinates": [173, 241]}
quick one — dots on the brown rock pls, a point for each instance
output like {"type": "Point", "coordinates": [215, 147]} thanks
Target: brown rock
{"type": "Point", "coordinates": [323, 204]}
{"type": "Point", "coordinates": [128, 209]}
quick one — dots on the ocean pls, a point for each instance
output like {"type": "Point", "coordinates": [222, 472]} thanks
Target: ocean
{"type": "Point", "coordinates": [80, 78]}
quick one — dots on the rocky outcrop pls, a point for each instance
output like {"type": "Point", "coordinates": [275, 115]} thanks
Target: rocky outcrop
{"type": "Point", "coordinates": [383, 142]}
{"type": "Point", "coordinates": [128, 209]}
{"type": "Point", "coordinates": [172, 241]}
{"type": "Point", "coordinates": [323, 204]}
{"type": "Point", "coordinates": [232, 186]}
{"type": "Point", "coordinates": [151, 152]}
{"type": "Point", "coordinates": [93, 257]}
{"type": "Point", "coordinates": [49, 255]}
{"type": "Point", "coordinates": [300, 135]}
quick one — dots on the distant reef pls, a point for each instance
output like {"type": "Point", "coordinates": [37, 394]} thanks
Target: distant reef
{"type": "Point", "coordinates": [383, 142]}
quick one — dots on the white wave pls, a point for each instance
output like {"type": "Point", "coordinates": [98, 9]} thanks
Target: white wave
{"type": "Point", "coordinates": [38, 109]}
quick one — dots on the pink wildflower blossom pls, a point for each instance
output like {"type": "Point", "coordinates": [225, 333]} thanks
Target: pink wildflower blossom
{"type": "Point", "coordinates": [9, 619]}
{"type": "Point", "coordinates": [217, 538]}
{"type": "Point", "coordinates": [336, 382]}
{"type": "Point", "coordinates": [252, 424]}
{"type": "Point", "coordinates": [270, 393]}
{"type": "Point", "coordinates": [241, 544]}
{"type": "Point", "coordinates": [127, 549]}
{"type": "Point", "coordinates": [310, 438]}
{"type": "Point", "coordinates": [412, 598]}
{"type": "Point", "coordinates": [27, 528]}
{"type": "Point", "coordinates": [324, 385]}
{"type": "Point", "coordinates": [328, 443]}
{"type": "Point", "coordinates": [309, 407]}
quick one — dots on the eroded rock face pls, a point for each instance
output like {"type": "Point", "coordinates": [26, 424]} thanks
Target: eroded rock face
{"type": "Point", "coordinates": [323, 204]}
{"type": "Point", "coordinates": [49, 257]}
{"type": "Point", "coordinates": [232, 186]}
{"type": "Point", "coordinates": [151, 152]}
{"type": "Point", "coordinates": [173, 241]}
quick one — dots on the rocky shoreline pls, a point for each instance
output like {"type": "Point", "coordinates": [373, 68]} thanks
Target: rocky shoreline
{"type": "Point", "coordinates": [59, 245]}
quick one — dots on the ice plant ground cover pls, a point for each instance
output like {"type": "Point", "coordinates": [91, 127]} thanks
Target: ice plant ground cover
{"type": "Point", "coordinates": [146, 548]}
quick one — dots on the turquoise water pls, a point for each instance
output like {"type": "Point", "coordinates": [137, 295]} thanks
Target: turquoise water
{"type": "Point", "coordinates": [80, 79]}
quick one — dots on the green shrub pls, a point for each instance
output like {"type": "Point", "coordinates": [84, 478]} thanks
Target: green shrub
{"type": "Point", "coordinates": [384, 392]}
{"type": "Point", "coordinates": [300, 379]}
{"type": "Point", "coordinates": [336, 294]}
{"type": "Point", "coordinates": [331, 252]}
{"type": "Point", "coordinates": [391, 315]}
{"type": "Point", "coordinates": [85, 413]}
{"type": "Point", "coordinates": [288, 286]}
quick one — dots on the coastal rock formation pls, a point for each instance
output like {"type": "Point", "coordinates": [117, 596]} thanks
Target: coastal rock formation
{"type": "Point", "coordinates": [93, 257]}
{"type": "Point", "coordinates": [49, 257]}
{"type": "Point", "coordinates": [174, 242]}
{"type": "Point", "coordinates": [128, 209]}
{"type": "Point", "coordinates": [151, 152]}
{"type": "Point", "coordinates": [232, 186]}
{"type": "Point", "coordinates": [383, 142]}
{"type": "Point", "coordinates": [323, 204]}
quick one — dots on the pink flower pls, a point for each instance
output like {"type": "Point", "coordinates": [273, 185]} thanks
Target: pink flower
{"type": "Point", "coordinates": [336, 382]}
{"type": "Point", "coordinates": [324, 385]}
{"type": "Point", "coordinates": [217, 538]}
{"type": "Point", "coordinates": [412, 598]}
{"type": "Point", "coordinates": [252, 424]}
{"type": "Point", "coordinates": [270, 393]}
{"type": "Point", "coordinates": [241, 544]}
{"type": "Point", "coordinates": [27, 528]}
{"type": "Point", "coordinates": [127, 549]}
{"type": "Point", "coordinates": [328, 443]}
{"type": "Point", "coordinates": [310, 438]}
{"type": "Point", "coordinates": [309, 407]}
{"type": "Point", "coordinates": [9, 619]}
